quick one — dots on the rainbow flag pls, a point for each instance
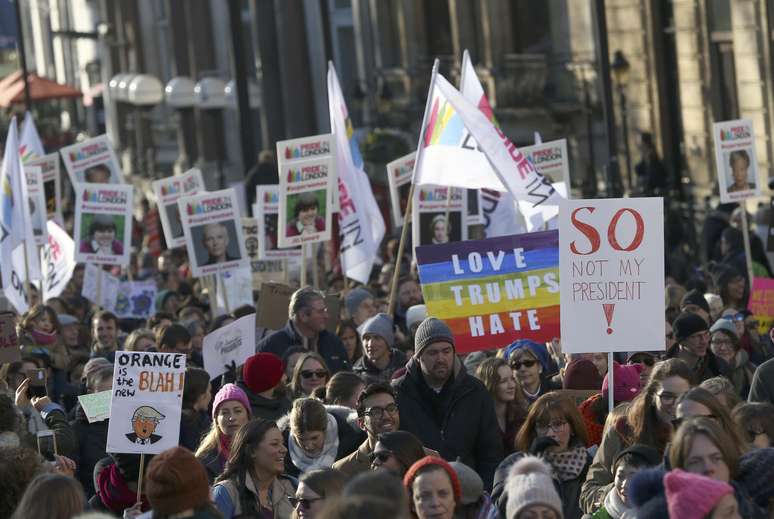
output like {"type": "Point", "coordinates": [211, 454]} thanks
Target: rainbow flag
{"type": "Point", "coordinates": [492, 292]}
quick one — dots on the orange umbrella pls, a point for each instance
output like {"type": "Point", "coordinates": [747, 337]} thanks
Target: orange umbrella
{"type": "Point", "coordinates": [41, 89]}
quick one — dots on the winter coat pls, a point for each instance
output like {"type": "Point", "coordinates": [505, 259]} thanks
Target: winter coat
{"type": "Point", "coordinates": [213, 463]}
{"type": "Point", "coordinates": [328, 345]}
{"type": "Point", "coordinates": [372, 375]}
{"type": "Point", "coordinates": [92, 442]}
{"type": "Point", "coordinates": [710, 366]}
{"type": "Point", "coordinates": [193, 426]}
{"type": "Point", "coordinates": [599, 479]}
{"type": "Point", "coordinates": [229, 495]}
{"type": "Point", "coordinates": [458, 422]}
{"type": "Point", "coordinates": [350, 435]}
{"type": "Point", "coordinates": [56, 352]}
{"type": "Point", "coordinates": [595, 424]}
{"type": "Point", "coordinates": [267, 408]}
{"type": "Point", "coordinates": [53, 417]}
{"type": "Point", "coordinates": [762, 387]}
{"type": "Point", "coordinates": [356, 462]}
{"type": "Point", "coordinates": [740, 373]}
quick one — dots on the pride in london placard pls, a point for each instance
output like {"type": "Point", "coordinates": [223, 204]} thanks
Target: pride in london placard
{"type": "Point", "coordinates": [492, 292]}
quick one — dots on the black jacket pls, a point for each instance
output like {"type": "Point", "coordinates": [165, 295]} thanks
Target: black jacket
{"type": "Point", "coordinates": [459, 421]}
{"type": "Point", "coordinates": [92, 441]}
{"type": "Point", "coordinates": [371, 374]}
{"type": "Point", "coordinates": [267, 408]}
{"type": "Point", "coordinates": [193, 426]}
{"type": "Point", "coordinates": [711, 366]}
{"type": "Point", "coordinates": [329, 346]}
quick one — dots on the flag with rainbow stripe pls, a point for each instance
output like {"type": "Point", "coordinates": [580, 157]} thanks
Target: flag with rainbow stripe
{"type": "Point", "coordinates": [492, 292]}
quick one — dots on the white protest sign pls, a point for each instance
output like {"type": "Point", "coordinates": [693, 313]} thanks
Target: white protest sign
{"type": "Point", "coordinates": [311, 147]}
{"type": "Point", "coordinates": [168, 191]}
{"type": "Point", "coordinates": [611, 259]}
{"type": "Point", "coordinates": [266, 211]}
{"type": "Point", "coordinates": [399, 173]}
{"type": "Point", "coordinates": [146, 403]}
{"type": "Point", "coordinates": [101, 292]}
{"type": "Point", "coordinates": [235, 289]}
{"type": "Point", "coordinates": [57, 260]}
{"type": "Point", "coordinates": [135, 299]}
{"type": "Point", "coordinates": [37, 202]}
{"type": "Point", "coordinates": [213, 232]}
{"type": "Point", "coordinates": [96, 406]}
{"type": "Point", "coordinates": [262, 270]}
{"type": "Point", "coordinates": [435, 219]}
{"type": "Point", "coordinates": [551, 160]}
{"type": "Point", "coordinates": [233, 342]}
{"type": "Point", "coordinates": [92, 161]}
{"type": "Point", "coordinates": [103, 223]}
{"type": "Point", "coordinates": [736, 161]}
{"type": "Point", "coordinates": [52, 183]}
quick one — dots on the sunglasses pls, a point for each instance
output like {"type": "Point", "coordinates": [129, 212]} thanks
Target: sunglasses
{"type": "Point", "coordinates": [305, 502]}
{"type": "Point", "coordinates": [382, 456]}
{"type": "Point", "coordinates": [517, 364]}
{"type": "Point", "coordinates": [308, 373]}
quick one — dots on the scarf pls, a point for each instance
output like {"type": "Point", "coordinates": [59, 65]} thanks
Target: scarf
{"type": "Point", "coordinates": [325, 459]}
{"type": "Point", "coordinates": [616, 508]}
{"type": "Point", "coordinates": [224, 445]}
{"type": "Point", "coordinates": [43, 338]}
{"type": "Point", "coordinates": [568, 464]}
{"type": "Point", "coordinates": [114, 493]}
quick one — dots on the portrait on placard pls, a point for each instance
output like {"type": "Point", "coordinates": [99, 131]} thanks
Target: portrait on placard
{"type": "Point", "coordinates": [435, 228]}
{"type": "Point", "coordinates": [741, 173]}
{"type": "Point", "coordinates": [270, 232]}
{"type": "Point", "coordinates": [306, 213]}
{"type": "Point", "coordinates": [735, 160]}
{"type": "Point", "coordinates": [103, 223]}
{"type": "Point", "coordinates": [92, 161]}
{"type": "Point", "coordinates": [173, 219]}
{"type": "Point", "coordinates": [216, 242]}
{"type": "Point", "coordinates": [102, 234]}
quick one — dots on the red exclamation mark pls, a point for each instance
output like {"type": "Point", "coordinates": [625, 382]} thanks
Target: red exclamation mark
{"type": "Point", "coordinates": [608, 308]}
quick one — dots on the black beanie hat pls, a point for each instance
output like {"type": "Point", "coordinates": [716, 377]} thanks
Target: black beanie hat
{"type": "Point", "coordinates": [686, 324]}
{"type": "Point", "coordinates": [694, 297]}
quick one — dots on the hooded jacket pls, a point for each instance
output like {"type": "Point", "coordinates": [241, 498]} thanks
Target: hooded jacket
{"type": "Point", "coordinates": [92, 442]}
{"type": "Point", "coordinates": [458, 422]}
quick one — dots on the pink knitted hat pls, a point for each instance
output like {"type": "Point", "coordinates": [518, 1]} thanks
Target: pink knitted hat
{"type": "Point", "coordinates": [626, 382]}
{"type": "Point", "coordinates": [692, 496]}
{"type": "Point", "coordinates": [230, 392]}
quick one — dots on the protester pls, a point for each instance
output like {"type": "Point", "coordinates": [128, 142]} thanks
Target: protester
{"type": "Point", "coordinates": [381, 359]}
{"type": "Point", "coordinates": [433, 489]}
{"type": "Point", "coordinates": [343, 389]}
{"type": "Point", "coordinates": [346, 331]}
{"type": "Point", "coordinates": [757, 423]}
{"type": "Point", "coordinates": [262, 382]}
{"type": "Point", "coordinates": [530, 491]}
{"type": "Point", "coordinates": [509, 403]}
{"type": "Point", "coordinates": [194, 419]}
{"type": "Point", "coordinates": [54, 496]}
{"type": "Point", "coordinates": [692, 335]}
{"type": "Point", "coordinates": [310, 373]}
{"type": "Point", "coordinates": [253, 484]}
{"type": "Point", "coordinates": [315, 488]}
{"type": "Point", "coordinates": [629, 462]}
{"type": "Point", "coordinates": [91, 437]}
{"type": "Point", "coordinates": [39, 333]}
{"type": "Point", "coordinates": [141, 339]}
{"type": "Point", "coordinates": [530, 363]}
{"type": "Point", "coordinates": [116, 483]}
{"type": "Point", "coordinates": [104, 327]}
{"type": "Point", "coordinates": [360, 305]}
{"type": "Point", "coordinates": [700, 402]}
{"type": "Point", "coordinates": [723, 390]}
{"type": "Point", "coordinates": [725, 345]}
{"type": "Point", "coordinates": [396, 451]}
{"type": "Point", "coordinates": [693, 496]}
{"type": "Point", "coordinates": [449, 410]}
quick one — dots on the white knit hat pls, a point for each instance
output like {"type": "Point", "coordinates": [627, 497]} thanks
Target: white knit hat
{"type": "Point", "coordinates": [530, 483]}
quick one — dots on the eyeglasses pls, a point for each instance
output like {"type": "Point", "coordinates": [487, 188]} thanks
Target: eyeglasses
{"type": "Point", "coordinates": [308, 373]}
{"type": "Point", "coordinates": [305, 502]}
{"type": "Point", "coordinates": [377, 413]}
{"type": "Point", "coordinates": [666, 397]}
{"type": "Point", "coordinates": [517, 364]}
{"type": "Point", "coordinates": [721, 342]}
{"type": "Point", "coordinates": [382, 456]}
{"type": "Point", "coordinates": [736, 317]}
{"type": "Point", "coordinates": [555, 425]}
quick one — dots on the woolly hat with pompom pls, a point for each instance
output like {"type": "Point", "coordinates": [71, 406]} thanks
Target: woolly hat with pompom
{"type": "Point", "coordinates": [693, 496]}
{"type": "Point", "coordinates": [530, 483]}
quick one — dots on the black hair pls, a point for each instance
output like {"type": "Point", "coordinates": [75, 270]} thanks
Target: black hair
{"type": "Point", "coordinates": [371, 390]}
{"type": "Point", "coordinates": [173, 335]}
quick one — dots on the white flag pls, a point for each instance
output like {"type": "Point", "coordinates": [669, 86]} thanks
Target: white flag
{"type": "Point", "coordinates": [361, 226]}
{"type": "Point", "coordinates": [58, 261]}
{"type": "Point", "coordinates": [30, 146]}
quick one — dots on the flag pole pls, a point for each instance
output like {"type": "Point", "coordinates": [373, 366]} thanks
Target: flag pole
{"type": "Point", "coordinates": [407, 215]}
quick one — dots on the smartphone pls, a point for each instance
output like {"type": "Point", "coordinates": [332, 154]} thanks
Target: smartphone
{"type": "Point", "coordinates": [47, 444]}
{"type": "Point", "coordinates": [37, 385]}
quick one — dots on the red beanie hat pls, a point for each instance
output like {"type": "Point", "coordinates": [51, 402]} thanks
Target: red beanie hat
{"type": "Point", "coordinates": [693, 496]}
{"type": "Point", "coordinates": [262, 372]}
{"type": "Point", "coordinates": [411, 474]}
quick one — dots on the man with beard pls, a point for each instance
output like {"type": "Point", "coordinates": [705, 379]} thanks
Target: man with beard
{"type": "Point", "coordinates": [409, 294]}
{"type": "Point", "coordinates": [446, 408]}
{"type": "Point", "coordinates": [692, 335]}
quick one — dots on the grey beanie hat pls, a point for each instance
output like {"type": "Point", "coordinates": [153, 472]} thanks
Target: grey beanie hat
{"type": "Point", "coordinates": [380, 325]}
{"type": "Point", "coordinates": [471, 484]}
{"type": "Point", "coordinates": [431, 330]}
{"type": "Point", "coordinates": [355, 297]}
{"type": "Point", "coordinates": [530, 483]}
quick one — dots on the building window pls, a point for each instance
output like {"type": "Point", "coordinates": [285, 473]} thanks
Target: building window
{"type": "Point", "coordinates": [530, 27]}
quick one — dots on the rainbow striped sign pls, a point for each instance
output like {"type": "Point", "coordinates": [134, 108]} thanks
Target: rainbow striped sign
{"type": "Point", "coordinates": [495, 291]}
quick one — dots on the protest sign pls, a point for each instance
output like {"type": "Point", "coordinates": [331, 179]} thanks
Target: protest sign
{"type": "Point", "coordinates": [399, 178]}
{"type": "Point", "coordinates": [267, 213]}
{"type": "Point", "coordinates": [611, 258]}
{"type": "Point", "coordinates": [99, 287]}
{"type": "Point", "coordinates": [551, 160]}
{"type": "Point", "coordinates": [92, 161]}
{"type": "Point", "coordinates": [501, 216]}
{"type": "Point", "coordinates": [436, 219]}
{"type": "Point", "coordinates": [146, 402]}
{"type": "Point", "coordinates": [312, 147]}
{"type": "Point", "coordinates": [57, 260]}
{"type": "Point", "coordinates": [9, 341]}
{"type": "Point", "coordinates": [304, 212]}
{"type": "Point", "coordinates": [96, 406]}
{"type": "Point", "coordinates": [235, 290]}
{"type": "Point", "coordinates": [37, 202]}
{"type": "Point", "coordinates": [475, 214]}
{"type": "Point", "coordinates": [272, 311]}
{"type": "Point", "coordinates": [168, 191]}
{"type": "Point", "coordinates": [770, 230]}
{"type": "Point", "coordinates": [262, 270]}
{"type": "Point", "coordinates": [134, 300]}
{"type": "Point", "coordinates": [103, 223]}
{"type": "Point", "coordinates": [735, 160]}
{"type": "Point", "coordinates": [52, 183]}
{"type": "Point", "coordinates": [213, 232]}
{"type": "Point", "coordinates": [762, 303]}
{"type": "Point", "coordinates": [234, 342]}
{"type": "Point", "coordinates": [494, 291]}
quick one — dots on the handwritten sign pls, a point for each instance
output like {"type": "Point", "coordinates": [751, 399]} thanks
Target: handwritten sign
{"type": "Point", "coordinates": [762, 303]}
{"type": "Point", "coordinates": [611, 258]}
{"type": "Point", "coordinates": [494, 291]}
{"type": "Point", "coordinates": [233, 342]}
{"type": "Point", "coordinates": [146, 402]}
{"type": "Point", "coordinates": [96, 405]}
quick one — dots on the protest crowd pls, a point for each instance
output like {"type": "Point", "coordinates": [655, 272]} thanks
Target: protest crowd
{"type": "Point", "coordinates": [342, 394]}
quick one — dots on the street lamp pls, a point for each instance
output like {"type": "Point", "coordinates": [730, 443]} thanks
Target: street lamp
{"type": "Point", "coordinates": [620, 68]}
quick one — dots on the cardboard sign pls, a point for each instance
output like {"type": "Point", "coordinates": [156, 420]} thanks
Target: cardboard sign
{"type": "Point", "coordinates": [399, 178]}
{"type": "Point", "coordinates": [103, 223]}
{"type": "Point", "coordinates": [96, 405]}
{"type": "Point", "coordinates": [168, 191]}
{"type": "Point", "coordinates": [313, 147]}
{"type": "Point", "coordinates": [611, 258]}
{"type": "Point", "coordinates": [234, 342]}
{"type": "Point", "coordinates": [146, 402]}
{"type": "Point", "coordinates": [736, 161]}
{"type": "Point", "coordinates": [37, 202]}
{"type": "Point", "coordinates": [57, 260]}
{"type": "Point", "coordinates": [762, 303]}
{"type": "Point", "coordinates": [9, 341]}
{"type": "Point", "coordinates": [492, 292]}
{"type": "Point", "coordinates": [213, 232]}
{"type": "Point", "coordinates": [429, 215]}
{"type": "Point", "coordinates": [52, 182]}
{"type": "Point", "coordinates": [272, 311]}
{"type": "Point", "coordinates": [551, 160]}
{"type": "Point", "coordinates": [304, 194]}
{"type": "Point", "coordinates": [92, 161]}
{"type": "Point", "coordinates": [266, 211]}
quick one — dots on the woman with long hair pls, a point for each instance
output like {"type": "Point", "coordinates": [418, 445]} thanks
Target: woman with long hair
{"type": "Point", "coordinates": [315, 488]}
{"type": "Point", "coordinates": [510, 404]}
{"type": "Point", "coordinates": [253, 484]}
{"type": "Point", "coordinates": [647, 420]}
{"type": "Point", "coordinates": [700, 402]}
{"type": "Point", "coordinates": [194, 420]}
{"type": "Point", "coordinates": [347, 332]}
{"type": "Point", "coordinates": [342, 390]}
{"type": "Point", "coordinates": [396, 451]}
{"type": "Point", "coordinates": [310, 373]}
{"type": "Point", "coordinates": [230, 411]}
{"type": "Point", "coordinates": [54, 496]}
